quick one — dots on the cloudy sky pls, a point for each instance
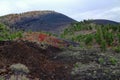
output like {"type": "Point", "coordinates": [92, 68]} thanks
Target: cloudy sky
{"type": "Point", "coordinates": [76, 9]}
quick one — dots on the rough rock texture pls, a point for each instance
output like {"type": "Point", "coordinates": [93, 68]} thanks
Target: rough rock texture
{"type": "Point", "coordinates": [50, 63]}
{"type": "Point", "coordinates": [35, 58]}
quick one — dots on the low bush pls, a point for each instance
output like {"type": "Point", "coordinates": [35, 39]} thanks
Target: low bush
{"type": "Point", "coordinates": [113, 61]}
{"type": "Point", "coordinates": [117, 49]}
{"type": "Point", "coordinates": [7, 34]}
{"type": "Point", "coordinates": [103, 45]}
{"type": "Point", "coordinates": [89, 39]}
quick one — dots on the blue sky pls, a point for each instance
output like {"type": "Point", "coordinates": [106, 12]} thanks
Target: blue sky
{"type": "Point", "coordinates": [76, 9]}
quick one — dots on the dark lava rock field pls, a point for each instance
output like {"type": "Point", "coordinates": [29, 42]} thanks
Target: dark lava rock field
{"type": "Point", "coordinates": [52, 63]}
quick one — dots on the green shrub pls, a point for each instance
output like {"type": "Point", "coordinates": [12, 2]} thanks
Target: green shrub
{"type": "Point", "coordinates": [113, 60]}
{"type": "Point", "coordinates": [98, 38]}
{"type": "Point", "coordinates": [79, 38]}
{"type": "Point", "coordinates": [76, 65]}
{"type": "Point", "coordinates": [7, 34]}
{"type": "Point", "coordinates": [118, 37]}
{"type": "Point", "coordinates": [119, 28]}
{"type": "Point", "coordinates": [108, 35]}
{"type": "Point", "coordinates": [89, 39]}
{"type": "Point", "coordinates": [4, 32]}
{"type": "Point", "coordinates": [101, 60]}
{"type": "Point", "coordinates": [103, 45]}
{"type": "Point", "coordinates": [62, 36]}
{"type": "Point", "coordinates": [99, 35]}
{"type": "Point", "coordinates": [66, 31]}
{"type": "Point", "coordinates": [19, 34]}
{"type": "Point", "coordinates": [117, 49]}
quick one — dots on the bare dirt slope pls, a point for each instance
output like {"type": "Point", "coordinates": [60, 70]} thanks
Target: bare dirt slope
{"type": "Point", "coordinates": [36, 59]}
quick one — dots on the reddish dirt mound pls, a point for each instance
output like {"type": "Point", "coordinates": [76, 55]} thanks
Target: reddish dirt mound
{"type": "Point", "coordinates": [36, 59]}
{"type": "Point", "coordinates": [45, 38]}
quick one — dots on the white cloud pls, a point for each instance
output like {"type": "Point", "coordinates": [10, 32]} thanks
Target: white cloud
{"type": "Point", "coordinates": [77, 9]}
{"type": "Point", "coordinates": [111, 14]}
{"type": "Point", "coordinates": [10, 6]}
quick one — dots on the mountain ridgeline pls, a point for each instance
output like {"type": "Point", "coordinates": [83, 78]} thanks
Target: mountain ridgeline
{"type": "Point", "coordinates": [49, 21]}
{"type": "Point", "coordinates": [103, 22]}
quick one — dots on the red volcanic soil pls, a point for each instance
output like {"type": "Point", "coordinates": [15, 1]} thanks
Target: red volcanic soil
{"type": "Point", "coordinates": [44, 38]}
{"type": "Point", "coordinates": [38, 60]}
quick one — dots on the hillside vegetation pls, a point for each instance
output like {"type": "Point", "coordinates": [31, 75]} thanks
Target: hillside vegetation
{"type": "Point", "coordinates": [7, 34]}
{"type": "Point", "coordinates": [91, 35]}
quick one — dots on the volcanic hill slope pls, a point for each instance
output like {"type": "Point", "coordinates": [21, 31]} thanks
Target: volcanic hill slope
{"type": "Point", "coordinates": [50, 21]}
{"type": "Point", "coordinates": [103, 22]}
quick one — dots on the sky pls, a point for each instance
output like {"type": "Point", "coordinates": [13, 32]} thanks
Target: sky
{"type": "Point", "coordinates": [76, 9]}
